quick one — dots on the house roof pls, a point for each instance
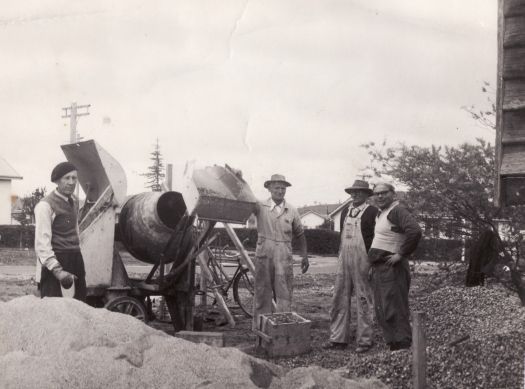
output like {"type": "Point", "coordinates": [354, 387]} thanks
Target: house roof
{"type": "Point", "coordinates": [339, 208]}
{"type": "Point", "coordinates": [321, 209]}
{"type": "Point", "coordinates": [314, 213]}
{"type": "Point", "coordinates": [7, 171]}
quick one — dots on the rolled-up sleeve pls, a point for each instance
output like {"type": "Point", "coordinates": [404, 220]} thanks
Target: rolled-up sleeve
{"type": "Point", "coordinates": [43, 221]}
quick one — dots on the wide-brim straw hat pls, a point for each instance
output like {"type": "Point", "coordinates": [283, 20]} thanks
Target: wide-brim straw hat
{"type": "Point", "coordinates": [359, 185]}
{"type": "Point", "coordinates": [277, 178]}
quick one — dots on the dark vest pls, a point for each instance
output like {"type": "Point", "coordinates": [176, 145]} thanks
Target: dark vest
{"type": "Point", "coordinates": [64, 229]}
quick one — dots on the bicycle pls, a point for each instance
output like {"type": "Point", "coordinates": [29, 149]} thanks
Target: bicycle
{"type": "Point", "coordinates": [241, 281]}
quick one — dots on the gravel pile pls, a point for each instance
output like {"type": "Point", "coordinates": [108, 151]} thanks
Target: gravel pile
{"type": "Point", "coordinates": [492, 356]}
{"type": "Point", "coordinates": [62, 343]}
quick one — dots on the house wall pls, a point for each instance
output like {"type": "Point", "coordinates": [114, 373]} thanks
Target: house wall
{"type": "Point", "coordinates": [337, 221]}
{"type": "Point", "coordinates": [5, 201]}
{"type": "Point", "coordinates": [311, 220]}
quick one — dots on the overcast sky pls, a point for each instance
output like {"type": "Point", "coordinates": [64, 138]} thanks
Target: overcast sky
{"type": "Point", "coordinates": [284, 86]}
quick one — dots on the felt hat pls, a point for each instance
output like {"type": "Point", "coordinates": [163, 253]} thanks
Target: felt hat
{"type": "Point", "coordinates": [359, 185]}
{"type": "Point", "coordinates": [277, 178]}
{"type": "Point", "coordinates": [61, 170]}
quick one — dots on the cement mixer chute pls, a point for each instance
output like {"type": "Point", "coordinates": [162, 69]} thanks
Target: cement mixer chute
{"type": "Point", "coordinates": [97, 170]}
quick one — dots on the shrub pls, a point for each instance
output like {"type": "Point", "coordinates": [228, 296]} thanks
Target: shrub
{"type": "Point", "coordinates": [17, 236]}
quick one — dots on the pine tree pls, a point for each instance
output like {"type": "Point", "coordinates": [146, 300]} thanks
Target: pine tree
{"type": "Point", "coordinates": [155, 174]}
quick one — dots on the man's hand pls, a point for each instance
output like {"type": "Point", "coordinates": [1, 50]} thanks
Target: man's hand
{"type": "Point", "coordinates": [305, 264]}
{"type": "Point", "coordinates": [393, 259]}
{"type": "Point", "coordinates": [65, 278]}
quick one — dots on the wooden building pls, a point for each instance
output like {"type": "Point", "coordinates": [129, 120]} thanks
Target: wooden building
{"type": "Point", "coordinates": [510, 115]}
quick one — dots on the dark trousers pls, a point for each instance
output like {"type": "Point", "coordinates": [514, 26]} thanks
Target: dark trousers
{"type": "Point", "coordinates": [71, 262]}
{"type": "Point", "coordinates": [391, 285]}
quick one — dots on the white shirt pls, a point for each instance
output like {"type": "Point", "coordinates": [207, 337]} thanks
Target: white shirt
{"type": "Point", "coordinates": [277, 208]}
{"type": "Point", "coordinates": [44, 217]}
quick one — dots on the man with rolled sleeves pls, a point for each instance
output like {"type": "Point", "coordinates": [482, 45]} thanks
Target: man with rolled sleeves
{"type": "Point", "coordinates": [277, 223]}
{"type": "Point", "coordinates": [357, 232]}
{"type": "Point", "coordinates": [396, 236]}
{"type": "Point", "coordinates": [57, 243]}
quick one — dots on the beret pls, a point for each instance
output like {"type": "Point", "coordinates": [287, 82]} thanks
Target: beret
{"type": "Point", "coordinates": [61, 170]}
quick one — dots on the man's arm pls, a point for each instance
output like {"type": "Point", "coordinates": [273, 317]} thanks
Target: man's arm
{"type": "Point", "coordinates": [298, 233]}
{"type": "Point", "coordinates": [400, 217]}
{"type": "Point", "coordinates": [368, 223]}
{"type": "Point", "coordinates": [407, 224]}
{"type": "Point", "coordinates": [43, 221]}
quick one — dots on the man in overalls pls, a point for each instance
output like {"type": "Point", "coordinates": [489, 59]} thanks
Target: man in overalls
{"type": "Point", "coordinates": [277, 223]}
{"type": "Point", "coordinates": [357, 232]}
{"type": "Point", "coordinates": [396, 236]}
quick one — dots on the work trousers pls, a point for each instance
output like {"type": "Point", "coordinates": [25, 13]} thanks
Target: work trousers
{"type": "Point", "coordinates": [352, 277]}
{"type": "Point", "coordinates": [273, 277]}
{"type": "Point", "coordinates": [391, 285]}
{"type": "Point", "coordinates": [72, 262]}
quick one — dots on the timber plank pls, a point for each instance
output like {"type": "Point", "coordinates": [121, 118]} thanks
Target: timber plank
{"type": "Point", "coordinates": [514, 34]}
{"type": "Point", "coordinates": [514, 94]}
{"type": "Point", "coordinates": [513, 124]}
{"type": "Point", "coordinates": [514, 63]}
{"type": "Point", "coordinates": [513, 7]}
{"type": "Point", "coordinates": [513, 159]}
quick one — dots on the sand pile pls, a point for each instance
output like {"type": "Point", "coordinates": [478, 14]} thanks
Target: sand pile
{"type": "Point", "coordinates": [62, 343]}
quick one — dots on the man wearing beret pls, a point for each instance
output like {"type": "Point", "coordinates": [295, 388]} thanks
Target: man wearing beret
{"type": "Point", "coordinates": [277, 223]}
{"type": "Point", "coordinates": [357, 232]}
{"type": "Point", "coordinates": [57, 243]}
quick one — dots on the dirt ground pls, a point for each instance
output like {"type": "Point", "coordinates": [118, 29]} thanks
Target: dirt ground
{"type": "Point", "coordinates": [490, 315]}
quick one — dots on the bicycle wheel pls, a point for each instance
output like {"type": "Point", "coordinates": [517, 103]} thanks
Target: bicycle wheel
{"type": "Point", "coordinates": [244, 291]}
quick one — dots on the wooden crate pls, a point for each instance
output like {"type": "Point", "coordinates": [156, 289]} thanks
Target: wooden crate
{"type": "Point", "coordinates": [283, 334]}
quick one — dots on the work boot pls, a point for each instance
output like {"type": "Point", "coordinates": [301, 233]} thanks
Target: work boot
{"type": "Point", "coordinates": [396, 346]}
{"type": "Point", "coordinates": [334, 346]}
{"type": "Point", "coordinates": [362, 349]}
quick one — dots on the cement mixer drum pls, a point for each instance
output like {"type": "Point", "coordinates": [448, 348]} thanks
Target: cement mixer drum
{"type": "Point", "coordinates": [148, 220]}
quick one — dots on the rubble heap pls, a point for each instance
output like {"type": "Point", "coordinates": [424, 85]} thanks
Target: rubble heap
{"type": "Point", "coordinates": [63, 343]}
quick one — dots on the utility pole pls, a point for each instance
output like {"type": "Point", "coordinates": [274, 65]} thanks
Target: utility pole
{"type": "Point", "coordinates": [364, 176]}
{"type": "Point", "coordinates": [72, 112]}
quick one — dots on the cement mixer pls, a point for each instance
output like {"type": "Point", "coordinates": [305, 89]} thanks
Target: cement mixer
{"type": "Point", "coordinates": [155, 227]}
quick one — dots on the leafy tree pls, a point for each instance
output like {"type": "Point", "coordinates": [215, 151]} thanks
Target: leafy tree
{"type": "Point", "coordinates": [454, 187]}
{"type": "Point", "coordinates": [29, 203]}
{"type": "Point", "coordinates": [155, 174]}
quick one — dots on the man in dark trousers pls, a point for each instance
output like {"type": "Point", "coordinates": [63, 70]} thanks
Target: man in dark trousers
{"type": "Point", "coordinates": [357, 232]}
{"type": "Point", "coordinates": [57, 242]}
{"type": "Point", "coordinates": [396, 236]}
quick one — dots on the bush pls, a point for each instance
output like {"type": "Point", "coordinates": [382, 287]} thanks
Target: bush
{"type": "Point", "coordinates": [15, 236]}
{"type": "Point", "coordinates": [440, 250]}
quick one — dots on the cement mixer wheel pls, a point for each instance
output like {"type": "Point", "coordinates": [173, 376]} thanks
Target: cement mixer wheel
{"type": "Point", "coordinates": [129, 306]}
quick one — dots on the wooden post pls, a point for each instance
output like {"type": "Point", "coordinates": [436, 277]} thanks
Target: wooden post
{"type": "Point", "coordinates": [240, 248]}
{"type": "Point", "coordinates": [419, 352]}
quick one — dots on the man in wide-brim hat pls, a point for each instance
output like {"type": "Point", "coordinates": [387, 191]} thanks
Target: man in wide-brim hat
{"type": "Point", "coordinates": [57, 243]}
{"type": "Point", "coordinates": [357, 232]}
{"type": "Point", "coordinates": [278, 222]}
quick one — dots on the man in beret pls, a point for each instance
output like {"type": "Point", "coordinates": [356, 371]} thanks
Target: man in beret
{"type": "Point", "coordinates": [396, 236]}
{"type": "Point", "coordinates": [277, 223]}
{"type": "Point", "coordinates": [357, 232]}
{"type": "Point", "coordinates": [57, 242]}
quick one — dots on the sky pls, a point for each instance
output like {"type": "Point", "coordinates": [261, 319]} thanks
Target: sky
{"type": "Point", "coordinates": [277, 86]}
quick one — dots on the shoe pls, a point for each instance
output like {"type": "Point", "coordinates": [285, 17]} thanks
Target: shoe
{"type": "Point", "coordinates": [362, 349]}
{"type": "Point", "coordinates": [396, 346]}
{"type": "Point", "coordinates": [334, 346]}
